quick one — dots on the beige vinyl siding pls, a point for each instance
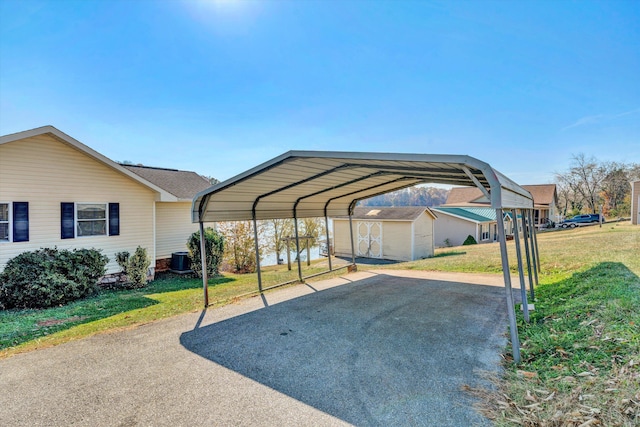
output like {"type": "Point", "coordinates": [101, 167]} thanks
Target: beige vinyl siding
{"type": "Point", "coordinates": [396, 240]}
{"type": "Point", "coordinates": [423, 237]}
{"type": "Point", "coordinates": [452, 228]}
{"type": "Point", "coordinates": [341, 239]}
{"type": "Point", "coordinates": [45, 172]}
{"type": "Point", "coordinates": [173, 228]}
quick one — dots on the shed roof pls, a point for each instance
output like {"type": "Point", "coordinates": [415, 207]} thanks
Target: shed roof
{"type": "Point", "coordinates": [398, 213]}
{"type": "Point", "coordinates": [306, 184]}
{"type": "Point", "coordinates": [182, 184]}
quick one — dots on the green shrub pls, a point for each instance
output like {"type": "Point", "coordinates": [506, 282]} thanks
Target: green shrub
{"type": "Point", "coordinates": [48, 277]}
{"type": "Point", "coordinates": [135, 267]}
{"type": "Point", "coordinates": [470, 240]}
{"type": "Point", "coordinates": [214, 248]}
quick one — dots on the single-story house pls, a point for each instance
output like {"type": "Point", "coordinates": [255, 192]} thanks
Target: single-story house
{"type": "Point", "coordinates": [635, 202]}
{"type": "Point", "coordinates": [455, 224]}
{"type": "Point", "coordinates": [545, 199]}
{"type": "Point", "coordinates": [56, 191]}
{"type": "Point", "coordinates": [395, 233]}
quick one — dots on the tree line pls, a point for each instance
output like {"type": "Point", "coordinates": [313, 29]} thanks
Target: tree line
{"type": "Point", "coordinates": [590, 185]}
{"type": "Point", "coordinates": [412, 196]}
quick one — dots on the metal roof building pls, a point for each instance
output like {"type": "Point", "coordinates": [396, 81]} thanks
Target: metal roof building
{"type": "Point", "coordinates": [304, 184]}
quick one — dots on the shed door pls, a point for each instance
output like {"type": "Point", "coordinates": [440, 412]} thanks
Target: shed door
{"type": "Point", "coordinates": [370, 239]}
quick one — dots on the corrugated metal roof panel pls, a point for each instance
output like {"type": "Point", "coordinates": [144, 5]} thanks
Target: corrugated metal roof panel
{"type": "Point", "coordinates": [314, 183]}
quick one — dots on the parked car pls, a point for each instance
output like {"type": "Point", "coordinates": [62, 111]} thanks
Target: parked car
{"type": "Point", "coordinates": [579, 219]}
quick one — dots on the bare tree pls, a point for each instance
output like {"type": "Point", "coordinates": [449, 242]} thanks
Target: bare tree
{"type": "Point", "coordinates": [615, 186]}
{"type": "Point", "coordinates": [239, 254]}
{"type": "Point", "coordinates": [277, 229]}
{"type": "Point", "coordinates": [585, 178]}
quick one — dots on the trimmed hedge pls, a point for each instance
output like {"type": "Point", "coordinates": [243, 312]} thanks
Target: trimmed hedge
{"type": "Point", "coordinates": [470, 240]}
{"type": "Point", "coordinates": [135, 267]}
{"type": "Point", "coordinates": [48, 277]}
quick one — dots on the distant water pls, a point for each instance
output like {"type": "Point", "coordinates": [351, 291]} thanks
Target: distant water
{"type": "Point", "coordinates": [270, 257]}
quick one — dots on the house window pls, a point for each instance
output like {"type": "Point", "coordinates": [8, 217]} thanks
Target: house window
{"type": "Point", "coordinates": [89, 219]}
{"type": "Point", "coordinates": [14, 222]}
{"type": "Point", "coordinates": [5, 225]}
{"type": "Point", "coordinates": [484, 232]}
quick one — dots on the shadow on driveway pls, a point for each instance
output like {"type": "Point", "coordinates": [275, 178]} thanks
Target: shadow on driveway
{"type": "Point", "coordinates": [385, 350]}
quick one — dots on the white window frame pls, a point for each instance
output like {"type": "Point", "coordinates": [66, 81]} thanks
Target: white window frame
{"type": "Point", "coordinates": [485, 232]}
{"type": "Point", "coordinates": [76, 221]}
{"type": "Point", "coordinates": [8, 222]}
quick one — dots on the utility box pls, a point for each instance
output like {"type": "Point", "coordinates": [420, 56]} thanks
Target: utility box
{"type": "Point", "coordinates": [180, 261]}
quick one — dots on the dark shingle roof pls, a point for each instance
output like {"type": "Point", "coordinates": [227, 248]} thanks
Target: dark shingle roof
{"type": "Point", "coordinates": [182, 184]}
{"type": "Point", "coordinates": [404, 213]}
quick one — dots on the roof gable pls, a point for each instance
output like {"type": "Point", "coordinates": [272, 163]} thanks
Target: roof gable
{"type": "Point", "coordinates": [543, 194]}
{"type": "Point", "coordinates": [458, 195]}
{"type": "Point", "coordinates": [63, 137]}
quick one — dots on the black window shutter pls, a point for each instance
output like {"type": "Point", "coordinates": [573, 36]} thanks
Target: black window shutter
{"type": "Point", "coordinates": [20, 221]}
{"type": "Point", "coordinates": [66, 220]}
{"type": "Point", "coordinates": [114, 219]}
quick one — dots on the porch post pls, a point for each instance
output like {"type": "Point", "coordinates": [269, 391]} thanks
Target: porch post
{"type": "Point", "coordinates": [203, 261]}
{"type": "Point", "coordinates": [513, 328]}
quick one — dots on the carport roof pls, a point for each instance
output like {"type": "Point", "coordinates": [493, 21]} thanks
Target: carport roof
{"type": "Point", "coordinates": [306, 184]}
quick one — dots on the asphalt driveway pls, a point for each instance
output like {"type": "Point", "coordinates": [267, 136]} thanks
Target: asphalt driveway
{"type": "Point", "coordinates": [371, 348]}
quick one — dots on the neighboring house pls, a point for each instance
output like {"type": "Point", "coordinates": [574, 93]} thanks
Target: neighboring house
{"type": "Point", "coordinates": [635, 202]}
{"type": "Point", "coordinates": [401, 233]}
{"type": "Point", "coordinates": [455, 224]}
{"type": "Point", "coordinates": [545, 199]}
{"type": "Point", "coordinates": [56, 191]}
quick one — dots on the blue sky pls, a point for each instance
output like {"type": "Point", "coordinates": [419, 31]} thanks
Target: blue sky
{"type": "Point", "coordinates": [220, 86]}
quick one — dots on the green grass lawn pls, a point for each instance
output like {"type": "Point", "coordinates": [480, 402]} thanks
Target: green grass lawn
{"type": "Point", "coordinates": [170, 295]}
{"type": "Point", "coordinates": [581, 351]}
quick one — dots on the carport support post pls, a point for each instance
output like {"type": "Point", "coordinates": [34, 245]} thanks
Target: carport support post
{"type": "Point", "coordinates": [513, 328]}
{"type": "Point", "coordinates": [326, 228]}
{"type": "Point", "coordinates": [527, 242]}
{"type": "Point", "coordinates": [255, 238]}
{"type": "Point", "coordinates": [203, 260]}
{"type": "Point", "coordinates": [523, 287]}
{"type": "Point", "coordinates": [353, 248]}
{"type": "Point", "coordinates": [535, 243]}
{"type": "Point", "coordinates": [295, 224]}
{"type": "Point", "coordinates": [534, 249]}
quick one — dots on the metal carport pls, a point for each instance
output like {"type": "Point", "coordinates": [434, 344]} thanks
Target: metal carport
{"type": "Point", "coordinates": [305, 184]}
